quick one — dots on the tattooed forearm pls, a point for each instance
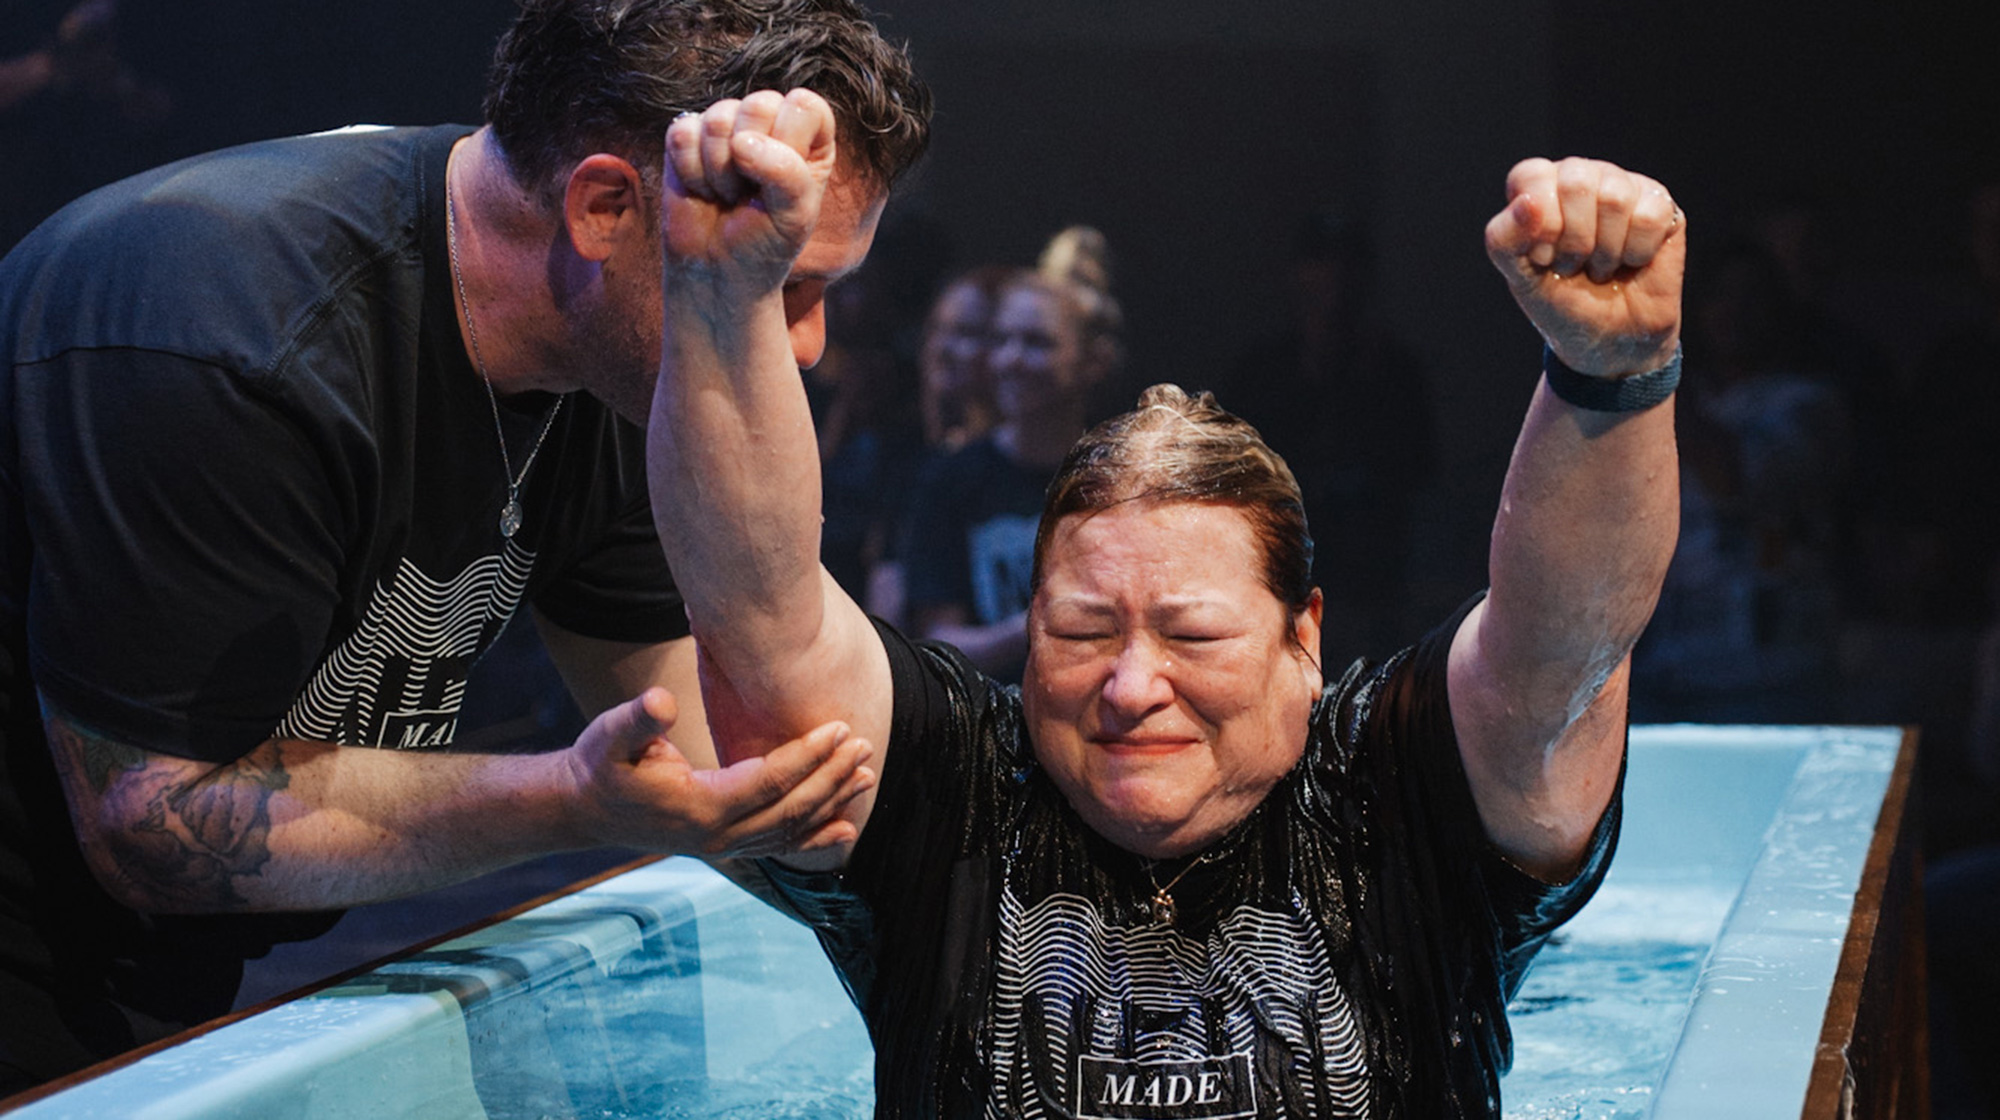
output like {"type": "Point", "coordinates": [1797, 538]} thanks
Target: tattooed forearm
{"type": "Point", "coordinates": [173, 834]}
{"type": "Point", "coordinates": [101, 760]}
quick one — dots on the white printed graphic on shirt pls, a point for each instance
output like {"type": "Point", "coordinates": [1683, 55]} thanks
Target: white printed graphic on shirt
{"type": "Point", "coordinates": [399, 678]}
{"type": "Point", "coordinates": [1097, 1020]}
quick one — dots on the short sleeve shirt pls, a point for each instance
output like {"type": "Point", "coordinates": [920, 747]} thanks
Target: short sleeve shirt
{"type": "Point", "coordinates": [250, 485]}
{"type": "Point", "coordinates": [1346, 951]}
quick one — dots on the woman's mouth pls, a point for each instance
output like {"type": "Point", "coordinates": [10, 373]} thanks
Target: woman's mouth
{"type": "Point", "coordinates": [1141, 744]}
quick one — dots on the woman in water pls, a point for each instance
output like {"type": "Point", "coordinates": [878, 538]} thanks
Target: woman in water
{"type": "Point", "coordinates": [1178, 872]}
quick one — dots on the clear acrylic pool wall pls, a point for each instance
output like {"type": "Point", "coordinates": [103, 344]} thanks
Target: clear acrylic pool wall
{"type": "Point", "coordinates": [1696, 985]}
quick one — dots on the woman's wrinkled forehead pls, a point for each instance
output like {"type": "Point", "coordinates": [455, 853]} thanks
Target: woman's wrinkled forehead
{"type": "Point", "coordinates": [1158, 561]}
{"type": "Point", "coordinates": [1084, 528]}
{"type": "Point", "coordinates": [1135, 532]}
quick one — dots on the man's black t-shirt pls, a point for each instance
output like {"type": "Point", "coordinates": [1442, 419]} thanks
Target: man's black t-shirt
{"type": "Point", "coordinates": [250, 485]}
{"type": "Point", "coordinates": [1347, 950]}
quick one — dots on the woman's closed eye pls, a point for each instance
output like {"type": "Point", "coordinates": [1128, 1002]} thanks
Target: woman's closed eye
{"type": "Point", "coordinates": [1078, 633]}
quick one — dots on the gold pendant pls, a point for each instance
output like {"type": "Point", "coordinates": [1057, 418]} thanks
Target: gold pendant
{"type": "Point", "coordinates": [1163, 908]}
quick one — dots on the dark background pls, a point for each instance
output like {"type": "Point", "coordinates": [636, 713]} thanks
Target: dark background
{"type": "Point", "coordinates": [1196, 136]}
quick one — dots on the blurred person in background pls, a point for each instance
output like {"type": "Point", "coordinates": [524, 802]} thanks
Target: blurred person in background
{"type": "Point", "coordinates": [957, 387]}
{"type": "Point", "coordinates": [1052, 339]}
{"type": "Point", "coordinates": [955, 405]}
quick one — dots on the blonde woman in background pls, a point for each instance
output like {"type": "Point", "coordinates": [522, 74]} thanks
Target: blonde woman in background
{"type": "Point", "coordinates": [1052, 339]}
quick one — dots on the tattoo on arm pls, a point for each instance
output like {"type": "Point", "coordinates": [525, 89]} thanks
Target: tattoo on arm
{"type": "Point", "coordinates": [169, 830]}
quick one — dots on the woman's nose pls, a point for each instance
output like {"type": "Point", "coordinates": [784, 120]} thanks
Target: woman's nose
{"type": "Point", "coordinates": [1138, 682]}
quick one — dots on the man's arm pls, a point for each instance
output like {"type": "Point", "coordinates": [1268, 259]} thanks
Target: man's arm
{"type": "Point", "coordinates": [731, 459]}
{"type": "Point", "coordinates": [300, 825]}
{"type": "Point", "coordinates": [1588, 515]}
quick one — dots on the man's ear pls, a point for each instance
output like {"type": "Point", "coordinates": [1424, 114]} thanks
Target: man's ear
{"type": "Point", "coordinates": [1305, 631]}
{"type": "Point", "coordinates": [603, 205]}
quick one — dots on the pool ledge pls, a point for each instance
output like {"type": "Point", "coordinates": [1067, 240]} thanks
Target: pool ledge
{"type": "Point", "coordinates": [398, 1032]}
{"type": "Point", "coordinates": [1752, 1034]}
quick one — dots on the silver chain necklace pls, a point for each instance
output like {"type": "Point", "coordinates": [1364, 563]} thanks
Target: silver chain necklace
{"type": "Point", "coordinates": [510, 514]}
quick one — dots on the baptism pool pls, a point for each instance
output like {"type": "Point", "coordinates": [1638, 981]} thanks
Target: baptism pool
{"type": "Point", "coordinates": [1736, 963]}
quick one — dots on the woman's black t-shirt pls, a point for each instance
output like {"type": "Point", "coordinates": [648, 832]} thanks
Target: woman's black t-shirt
{"type": "Point", "coordinates": [1348, 950]}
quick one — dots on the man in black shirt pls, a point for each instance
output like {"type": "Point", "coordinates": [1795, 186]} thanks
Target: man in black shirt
{"type": "Point", "coordinates": [287, 432]}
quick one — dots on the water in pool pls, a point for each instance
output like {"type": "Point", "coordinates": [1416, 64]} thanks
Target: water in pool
{"type": "Point", "coordinates": [1599, 1014]}
{"type": "Point", "coordinates": [1595, 1023]}
{"type": "Point", "coordinates": [667, 991]}
{"type": "Point", "coordinates": [743, 1021]}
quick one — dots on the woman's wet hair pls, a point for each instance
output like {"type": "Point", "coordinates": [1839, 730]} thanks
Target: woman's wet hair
{"type": "Point", "coordinates": [1176, 447]}
{"type": "Point", "coordinates": [573, 77]}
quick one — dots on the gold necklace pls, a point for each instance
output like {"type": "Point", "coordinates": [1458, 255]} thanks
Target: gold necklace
{"type": "Point", "coordinates": [510, 513]}
{"type": "Point", "coordinates": [1162, 902]}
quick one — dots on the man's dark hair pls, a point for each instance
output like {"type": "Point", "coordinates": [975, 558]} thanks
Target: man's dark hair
{"type": "Point", "coordinates": [573, 77]}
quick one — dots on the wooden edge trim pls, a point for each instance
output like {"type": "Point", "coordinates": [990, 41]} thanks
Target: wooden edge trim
{"type": "Point", "coordinates": [1825, 1091]}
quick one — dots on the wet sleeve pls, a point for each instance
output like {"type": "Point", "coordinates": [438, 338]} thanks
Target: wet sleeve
{"type": "Point", "coordinates": [1413, 713]}
{"type": "Point", "coordinates": [907, 887]}
{"type": "Point", "coordinates": [1529, 909]}
{"type": "Point", "coordinates": [928, 773]}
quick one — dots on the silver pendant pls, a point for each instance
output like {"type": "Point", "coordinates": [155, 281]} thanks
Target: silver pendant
{"type": "Point", "coordinates": [510, 517]}
{"type": "Point", "coordinates": [1163, 908]}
